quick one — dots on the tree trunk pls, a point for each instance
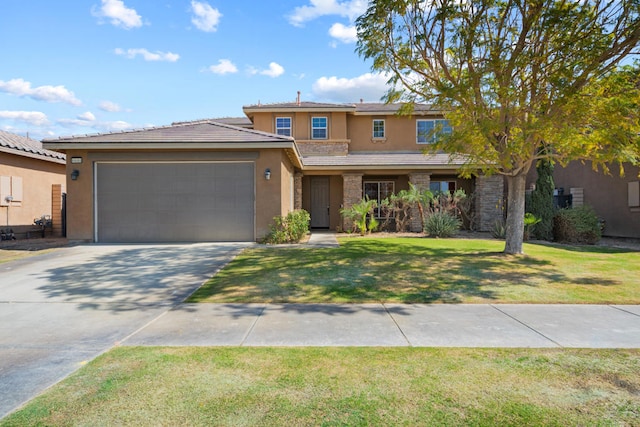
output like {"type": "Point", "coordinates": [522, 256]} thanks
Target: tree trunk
{"type": "Point", "coordinates": [515, 214]}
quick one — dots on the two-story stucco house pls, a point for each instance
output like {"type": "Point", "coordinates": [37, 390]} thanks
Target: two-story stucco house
{"type": "Point", "coordinates": [225, 179]}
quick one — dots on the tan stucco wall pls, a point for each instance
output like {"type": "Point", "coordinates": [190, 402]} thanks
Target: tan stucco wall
{"type": "Point", "coordinates": [606, 194]}
{"type": "Point", "coordinates": [301, 123]}
{"type": "Point", "coordinates": [272, 196]}
{"type": "Point", "coordinates": [37, 178]}
{"type": "Point", "coordinates": [80, 198]}
{"type": "Point", "coordinates": [400, 134]}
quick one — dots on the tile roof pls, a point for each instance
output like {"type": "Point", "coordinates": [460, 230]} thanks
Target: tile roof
{"type": "Point", "coordinates": [243, 122]}
{"type": "Point", "coordinates": [304, 105]}
{"type": "Point", "coordinates": [186, 132]}
{"type": "Point", "coordinates": [360, 107]}
{"type": "Point", "coordinates": [22, 146]}
{"type": "Point", "coordinates": [379, 107]}
{"type": "Point", "coordinates": [385, 160]}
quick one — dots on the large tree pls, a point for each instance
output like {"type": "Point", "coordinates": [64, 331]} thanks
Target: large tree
{"type": "Point", "coordinates": [519, 80]}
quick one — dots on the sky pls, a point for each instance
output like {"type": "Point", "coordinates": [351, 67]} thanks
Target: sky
{"type": "Point", "coordinates": [92, 66]}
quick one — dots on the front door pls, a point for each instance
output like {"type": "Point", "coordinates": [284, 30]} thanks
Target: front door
{"type": "Point", "coordinates": [320, 202]}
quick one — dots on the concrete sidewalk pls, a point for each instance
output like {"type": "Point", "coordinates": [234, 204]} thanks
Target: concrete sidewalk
{"type": "Point", "coordinates": [419, 325]}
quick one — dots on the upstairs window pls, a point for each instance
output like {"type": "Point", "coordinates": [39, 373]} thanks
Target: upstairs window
{"type": "Point", "coordinates": [427, 131]}
{"type": "Point", "coordinates": [378, 128]}
{"type": "Point", "coordinates": [318, 128]}
{"type": "Point", "coordinates": [283, 126]}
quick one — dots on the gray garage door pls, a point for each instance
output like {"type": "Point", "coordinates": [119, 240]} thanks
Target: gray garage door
{"type": "Point", "coordinates": [175, 202]}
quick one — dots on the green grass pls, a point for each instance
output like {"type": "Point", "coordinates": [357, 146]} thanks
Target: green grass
{"type": "Point", "coordinates": [419, 270]}
{"type": "Point", "coordinates": [345, 386]}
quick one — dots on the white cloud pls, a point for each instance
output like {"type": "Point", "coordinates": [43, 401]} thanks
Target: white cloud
{"type": "Point", "coordinates": [120, 15]}
{"type": "Point", "coordinates": [206, 18]}
{"type": "Point", "coordinates": [116, 125]}
{"type": "Point", "coordinates": [224, 66]}
{"type": "Point", "coordinates": [275, 70]}
{"type": "Point", "coordinates": [88, 120]}
{"type": "Point", "coordinates": [109, 106]}
{"type": "Point", "coordinates": [147, 55]}
{"type": "Point", "coordinates": [35, 118]}
{"type": "Point", "coordinates": [87, 116]}
{"type": "Point", "coordinates": [343, 33]}
{"type": "Point", "coordinates": [369, 87]}
{"type": "Point", "coordinates": [20, 87]}
{"type": "Point", "coordinates": [350, 9]}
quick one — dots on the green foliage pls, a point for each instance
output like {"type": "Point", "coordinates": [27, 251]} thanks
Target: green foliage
{"type": "Point", "coordinates": [530, 221]}
{"type": "Point", "coordinates": [442, 216]}
{"type": "Point", "coordinates": [541, 202]}
{"type": "Point", "coordinates": [362, 215]}
{"type": "Point", "coordinates": [398, 207]}
{"type": "Point", "coordinates": [512, 76]}
{"type": "Point", "coordinates": [289, 229]}
{"type": "Point", "coordinates": [577, 225]}
{"type": "Point", "coordinates": [499, 230]}
{"type": "Point", "coordinates": [441, 224]}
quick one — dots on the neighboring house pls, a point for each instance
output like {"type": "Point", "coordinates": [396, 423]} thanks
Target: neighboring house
{"type": "Point", "coordinates": [614, 198]}
{"type": "Point", "coordinates": [214, 181]}
{"type": "Point", "coordinates": [31, 183]}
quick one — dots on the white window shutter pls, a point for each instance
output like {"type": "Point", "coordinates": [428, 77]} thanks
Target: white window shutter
{"type": "Point", "coordinates": [5, 190]}
{"type": "Point", "coordinates": [16, 188]}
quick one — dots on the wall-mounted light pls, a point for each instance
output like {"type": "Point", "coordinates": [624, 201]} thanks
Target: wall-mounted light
{"type": "Point", "coordinates": [267, 174]}
{"type": "Point", "coordinates": [75, 174]}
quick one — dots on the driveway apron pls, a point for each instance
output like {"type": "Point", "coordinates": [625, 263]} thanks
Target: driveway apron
{"type": "Point", "coordinates": [59, 310]}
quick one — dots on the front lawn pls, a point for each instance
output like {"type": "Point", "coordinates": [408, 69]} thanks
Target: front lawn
{"type": "Point", "coordinates": [345, 386]}
{"type": "Point", "coordinates": [422, 270]}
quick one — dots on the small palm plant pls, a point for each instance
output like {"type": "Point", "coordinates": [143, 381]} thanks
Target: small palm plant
{"type": "Point", "coordinates": [359, 213]}
{"type": "Point", "coordinates": [530, 220]}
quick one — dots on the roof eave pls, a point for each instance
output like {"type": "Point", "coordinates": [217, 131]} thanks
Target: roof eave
{"type": "Point", "coordinates": [253, 110]}
{"type": "Point", "coordinates": [165, 145]}
{"type": "Point", "coordinates": [380, 167]}
{"type": "Point", "coordinates": [36, 156]}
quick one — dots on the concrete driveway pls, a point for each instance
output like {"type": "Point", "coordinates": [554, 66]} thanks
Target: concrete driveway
{"type": "Point", "coordinates": [59, 310]}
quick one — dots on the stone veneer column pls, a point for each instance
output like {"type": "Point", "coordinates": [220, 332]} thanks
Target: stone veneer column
{"type": "Point", "coordinates": [56, 209]}
{"type": "Point", "coordinates": [421, 181]}
{"type": "Point", "coordinates": [297, 191]}
{"type": "Point", "coordinates": [489, 201]}
{"type": "Point", "coordinates": [351, 195]}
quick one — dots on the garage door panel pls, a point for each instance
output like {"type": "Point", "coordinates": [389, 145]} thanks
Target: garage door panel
{"type": "Point", "coordinates": [175, 202]}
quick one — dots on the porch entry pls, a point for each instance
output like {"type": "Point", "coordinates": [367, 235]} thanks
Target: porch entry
{"type": "Point", "coordinates": [319, 202]}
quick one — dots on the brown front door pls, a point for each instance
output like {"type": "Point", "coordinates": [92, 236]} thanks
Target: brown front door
{"type": "Point", "coordinates": [319, 202]}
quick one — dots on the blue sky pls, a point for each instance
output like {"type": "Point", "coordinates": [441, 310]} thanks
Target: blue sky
{"type": "Point", "coordinates": [91, 66]}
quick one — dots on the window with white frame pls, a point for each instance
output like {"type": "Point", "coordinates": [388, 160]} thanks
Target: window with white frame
{"type": "Point", "coordinates": [378, 128]}
{"type": "Point", "coordinates": [283, 126]}
{"type": "Point", "coordinates": [378, 191]}
{"type": "Point", "coordinates": [318, 128]}
{"type": "Point", "coordinates": [427, 131]}
{"type": "Point", "coordinates": [437, 187]}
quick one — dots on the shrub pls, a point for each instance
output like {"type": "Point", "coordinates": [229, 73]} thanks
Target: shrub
{"type": "Point", "coordinates": [499, 229]}
{"type": "Point", "coordinates": [530, 221]}
{"type": "Point", "coordinates": [441, 224]}
{"type": "Point", "coordinates": [541, 201]}
{"type": "Point", "coordinates": [290, 229]}
{"type": "Point", "coordinates": [362, 215]}
{"type": "Point", "coordinates": [577, 225]}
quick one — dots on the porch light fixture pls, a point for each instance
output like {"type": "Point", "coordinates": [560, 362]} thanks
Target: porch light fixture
{"type": "Point", "coordinates": [75, 174]}
{"type": "Point", "coordinates": [267, 174]}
